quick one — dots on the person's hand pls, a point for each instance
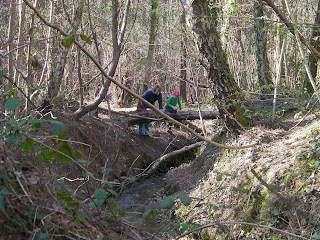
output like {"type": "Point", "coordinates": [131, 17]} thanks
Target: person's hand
{"type": "Point", "coordinates": [161, 110]}
{"type": "Point", "coordinates": [174, 107]}
{"type": "Point", "coordinates": [149, 109]}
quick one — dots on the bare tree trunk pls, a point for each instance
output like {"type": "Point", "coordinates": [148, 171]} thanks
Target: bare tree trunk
{"type": "Point", "coordinates": [55, 82]}
{"type": "Point", "coordinates": [22, 11]}
{"type": "Point", "coordinates": [278, 79]}
{"type": "Point", "coordinates": [152, 39]}
{"type": "Point", "coordinates": [315, 41]}
{"type": "Point", "coordinates": [30, 77]}
{"type": "Point", "coordinates": [11, 45]}
{"type": "Point", "coordinates": [183, 59]}
{"type": "Point", "coordinates": [79, 76]}
{"type": "Point", "coordinates": [94, 35]}
{"type": "Point", "coordinates": [224, 88]}
{"type": "Point", "coordinates": [260, 34]}
{"type": "Point", "coordinates": [117, 45]}
{"type": "Point", "coordinates": [47, 64]}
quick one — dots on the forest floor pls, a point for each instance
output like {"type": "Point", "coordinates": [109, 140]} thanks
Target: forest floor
{"type": "Point", "coordinates": [273, 185]}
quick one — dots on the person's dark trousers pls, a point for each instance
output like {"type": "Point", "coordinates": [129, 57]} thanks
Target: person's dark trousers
{"type": "Point", "coordinates": [172, 113]}
{"type": "Point", "coordinates": [144, 129]}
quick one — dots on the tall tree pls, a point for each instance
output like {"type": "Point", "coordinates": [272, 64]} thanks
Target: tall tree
{"type": "Point", "coordinates": [260, 33]}
{"type": "Point", "coordinates": [152, 46]}
{"type": "Point", "coordinates": [11, 44]}
{"type": "Point", "coordinates": [315, 41]}
{"type": "Point", "coordinates": [56, 80]}
{"type": "Point", "coordinates": [224, 88]}
{"type": "Point", "coordinates": [30, 77]}
{"type": "Point", "coordinates": [22, 11]}
{"type": "Point", "coordinates": [183, 58]}
{"type": "Point", "coordinates": [117, 41]}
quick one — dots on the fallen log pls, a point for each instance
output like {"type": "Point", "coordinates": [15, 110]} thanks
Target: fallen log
{"type": "Point", "coordinates": [136, 117]}
{"type": "Point", "coordinates": [152, 168]}
{"type": "Point", "coordinates": [144, 116]}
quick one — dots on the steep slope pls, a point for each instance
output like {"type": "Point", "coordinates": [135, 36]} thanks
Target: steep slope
{"type": "Point", "coordinates": [267, 192]}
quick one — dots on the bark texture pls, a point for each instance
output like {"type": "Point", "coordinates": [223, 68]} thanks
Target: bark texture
{"type": "Point", "coordinates": [11, 45]}
{"type": "Point", "coordinates": [145, 116]}
{"type": "Point", "coordinates": [152, 39]}
{"type": "Point", "coordinates": [315, 41]}
{"type": "Point", "coordinates": [260, 34]}
{"type": "Point", "coordinates": [224, 88]}
{"type": "Point", "coordinates": [183, 60]}
{"type": "Point", "coordinates": [55, 82]}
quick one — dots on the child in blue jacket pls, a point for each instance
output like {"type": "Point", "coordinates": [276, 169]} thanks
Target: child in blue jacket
{"type": "Point", "coordinates": [151, 95]}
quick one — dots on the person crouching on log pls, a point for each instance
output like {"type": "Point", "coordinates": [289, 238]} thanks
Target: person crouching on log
{"type": "Point", "coordinates": [171, 107]}
{"type": "Point", "coordinates": [151, 95]}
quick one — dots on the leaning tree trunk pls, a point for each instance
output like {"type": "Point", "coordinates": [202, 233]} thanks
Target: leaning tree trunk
{"type": "Point", "coordinates": [224, 88]}
{"type": "Point", "coordinates": [315, 41]}
{"type": "Point", "coordinates": [264, 78]}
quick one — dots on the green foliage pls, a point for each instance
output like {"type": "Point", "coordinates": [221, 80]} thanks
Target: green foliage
{"type": "Point", "coordinates": [12, 103]}
{"type": "Point", "coordinates": [100, 194]}
{"type": "Point", "coordinates": [27, 135]}
{"type": "Point", "coordinates": [27, 144]}
{"type": "Point", "coordinates": [68, 40]}
{"type": "Point", "coordinates": [57, 128]}
{"type": "Point", "coordinates": [130, 179]}
{"type": "Point", "coordinates": [86, 39]}
{"type": "Point", "coordinates": [150, 212]}
{"type": "Point", "coordinates": [4, 191]}
{"type": "Point", "coordinates": [166, 202]}
{"type": "Point", "coordinates": [231, 7]}
{"type": "Point", "coordinates": [294, 25]}
{"type": "Point", "coordinates": [185, 199]}
{"type": "Point", "coordinates": [198, 152]}
{"type": "Point", "coordinates": [203, 21]}
{"type": "Point", "coordinates": [64, 196]}
{"type": "Point", "coordinates": [240, 189]}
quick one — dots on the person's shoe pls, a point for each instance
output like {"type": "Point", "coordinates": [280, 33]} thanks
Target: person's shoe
{"type": "Point", "coordinates": [147, 136]}
{"type": "Point", "coordinates": [170, 132]}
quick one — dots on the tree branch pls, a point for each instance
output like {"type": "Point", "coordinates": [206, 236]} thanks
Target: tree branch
{"type": "Point", "coordinates": [291, 27]}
